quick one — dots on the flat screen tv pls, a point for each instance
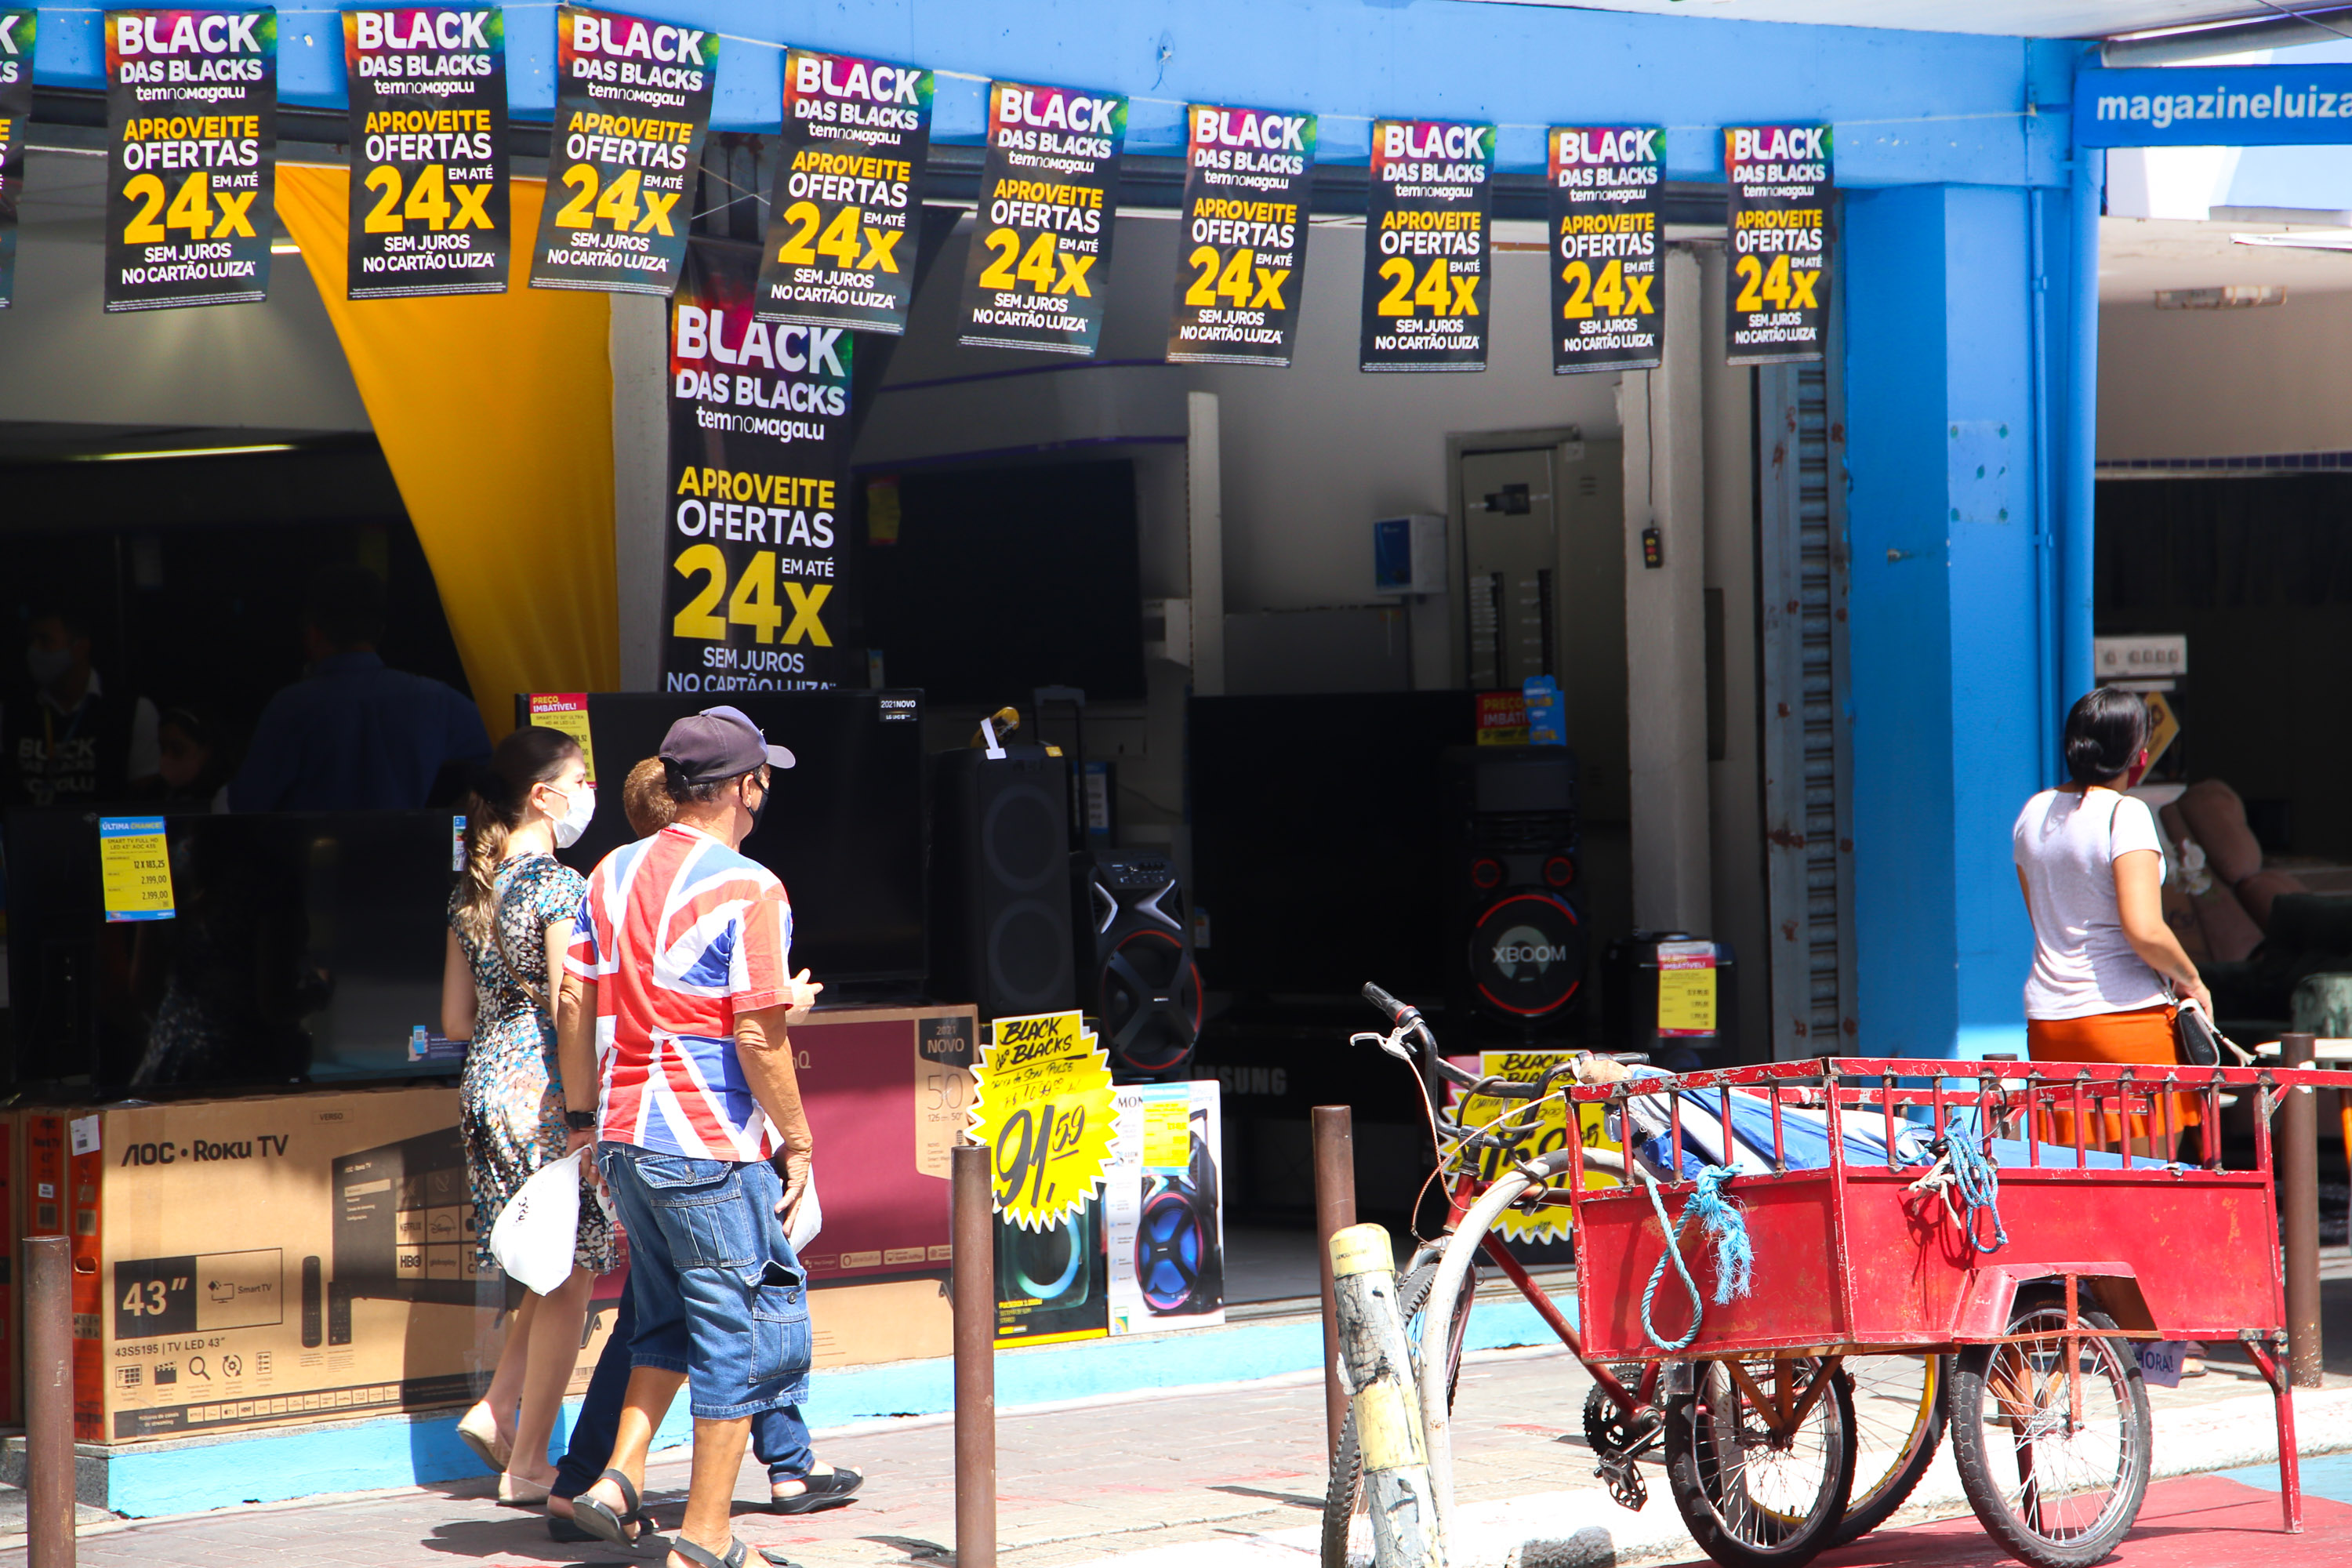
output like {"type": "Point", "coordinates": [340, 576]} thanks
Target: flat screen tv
{"type": "Point", "coordinates": [1003, 580]}
{"type": "Point", "coordinates": [1316, 828]}
{"type": "Point", "coordinates": [844, 830]}
{"type": "Point", "coordinates": [304, 946]}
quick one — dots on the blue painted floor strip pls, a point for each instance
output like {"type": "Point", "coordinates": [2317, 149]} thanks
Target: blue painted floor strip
{"type": "Point", "coordinates": [2324, 1475]}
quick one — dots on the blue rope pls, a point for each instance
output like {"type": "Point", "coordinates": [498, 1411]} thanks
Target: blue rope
{"type": "Point", "coordinates": [1735, 1256]}
{"type": "Point", "coordinates": [1977, 1180]}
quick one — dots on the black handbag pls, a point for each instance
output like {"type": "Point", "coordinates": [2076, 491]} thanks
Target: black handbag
{"type": "Point", "coordinates": [2198, 1043]}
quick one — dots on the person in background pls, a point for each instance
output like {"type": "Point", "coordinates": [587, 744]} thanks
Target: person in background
{"type": "Point", "coordinates": [68, 740]}
{"type": "Point", "coordinates": [2106, 968]}
{"type": "Point", "coordinates": [193, 766]}
{"type": "Point", "coordinates": [697, 1093]}
{"type": "Point", "coordinates": [511, 909]}
{"type": "Point", "coordinates": [355, 734]}
{"type": "Point", "coordinates": [797, 1483]}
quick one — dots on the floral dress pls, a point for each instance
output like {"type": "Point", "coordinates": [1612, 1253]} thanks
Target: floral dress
{"type": "Point", "coordinates": [512, 1097]}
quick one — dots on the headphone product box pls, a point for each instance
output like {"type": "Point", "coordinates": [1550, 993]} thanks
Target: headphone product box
{"type": "Point", "coordinates": [264, 1262]}
{"type": "Point", "coordinates": [1163, 1209]}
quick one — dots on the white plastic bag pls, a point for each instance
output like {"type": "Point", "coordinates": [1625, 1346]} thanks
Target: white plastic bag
{"type": "Point", "coordinates": [808, 1217]}
{"type": "Point", "coordinates": [536, 1234]}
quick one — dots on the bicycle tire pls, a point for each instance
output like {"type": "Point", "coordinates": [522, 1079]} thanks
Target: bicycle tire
{"type": "Point", "coordinates": [1741, 1532]}
{"type": "Point", "coordinates": [1986, 1371]}
{"type": "Point", "coordinates": [1874, 1499]}
{"type": "Point", "coordinates": [1343, 1496]}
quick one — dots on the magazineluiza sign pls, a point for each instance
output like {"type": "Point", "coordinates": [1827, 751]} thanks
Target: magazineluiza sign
{"type": "Point", "coordinates": [2213, 106]}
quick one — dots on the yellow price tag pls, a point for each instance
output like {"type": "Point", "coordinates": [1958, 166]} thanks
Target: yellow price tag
{"type": "Point", "coordinates": [1166, 1134]}
{"type": "Point", "coordinates": [135, 869]}
{"type": "Point", "coordinates": [1531, 1129]}
{"type": "Point", "coordinates": [566, 712]}
{"type": "Point", "coordinates": [1686, 988]}
{"type": "Point", "coordinates": [1044, 1114]}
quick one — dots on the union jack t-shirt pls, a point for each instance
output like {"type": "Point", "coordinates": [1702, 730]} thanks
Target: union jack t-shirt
{"type": "Point", "coordinates": [681, 933]}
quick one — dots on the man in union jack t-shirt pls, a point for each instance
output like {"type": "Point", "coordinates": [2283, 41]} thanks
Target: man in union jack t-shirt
{"type": "Point", "coordinates": [679, 955]}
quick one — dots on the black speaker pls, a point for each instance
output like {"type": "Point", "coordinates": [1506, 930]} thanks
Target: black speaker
{"type": "Point", "coordinates": [1134, 952]}
{"type": "Point", "coordinates": [1049, 1270]}
{"type": "Point", "coordinates": [1514, 916]}
{"type": "Point", "coordinates": [1001, 881]}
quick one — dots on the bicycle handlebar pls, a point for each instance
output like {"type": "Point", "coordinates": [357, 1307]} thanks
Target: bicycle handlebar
{"type": "Point", "coordinates": [1397, 1011]}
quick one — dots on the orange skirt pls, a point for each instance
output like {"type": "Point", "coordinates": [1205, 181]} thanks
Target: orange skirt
{"type": "Point", "coordinates": [2141, 1037]}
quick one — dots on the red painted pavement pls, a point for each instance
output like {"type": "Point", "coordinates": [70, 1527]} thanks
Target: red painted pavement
{"type": "Point", "coordinates": [2193, 1522]}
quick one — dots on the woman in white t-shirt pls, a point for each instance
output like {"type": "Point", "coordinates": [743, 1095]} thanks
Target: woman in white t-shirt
{"type": "Point", "coordinates": [2092, 868]}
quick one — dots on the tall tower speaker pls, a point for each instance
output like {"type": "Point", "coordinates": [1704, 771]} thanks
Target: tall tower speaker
{"type": "Point", "coordinates": [1001, 881]}
{"type": "Point", "coordinates": [1515, 912]}
{"type": "Point", "coordinates": [1135, 973]}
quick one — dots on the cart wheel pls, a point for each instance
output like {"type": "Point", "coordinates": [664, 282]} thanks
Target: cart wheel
{"type": "Point", "coordinates": [1755, 1497]}
{"type": "Point", "coordinates": [1898, 1423]}
{"type": "Point", "coordinates": [2054, 1491]}
{"type": "Point", "coordinates": [1344, 1499]}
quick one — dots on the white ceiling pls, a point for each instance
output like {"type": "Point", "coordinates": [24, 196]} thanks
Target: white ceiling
{"type": "Point", "coordinates": [2139, 256]}
{"type": "Point", "coordinates": [2009, 18]}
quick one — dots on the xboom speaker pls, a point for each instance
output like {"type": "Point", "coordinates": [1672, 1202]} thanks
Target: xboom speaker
{"type": "Point", "coordinates": [1135, 973]}
{"type": "Point", "coordinates": [1179, 1264]}
{"type": "Point", "coordinates": [1516, 927]}
{"type": "Point", "coordinates": [1001, 881]}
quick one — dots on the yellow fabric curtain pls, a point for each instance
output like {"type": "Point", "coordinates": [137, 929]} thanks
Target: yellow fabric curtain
{"type": "Point", "coordinates": [495, 413]}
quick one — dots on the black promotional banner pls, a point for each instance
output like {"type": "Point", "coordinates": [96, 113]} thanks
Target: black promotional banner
{"type": "Point", "coordinates": [428, 91]}
{"type": "Point", "coordinates": [192, 154]}
{"type": "Point", "coordinates": [1608, 251]}
{"type": "Point", "coordinates": [632, 104]}
{"type": "Point", "coordinates": [847, 205]}
{"type": "Point", "coordinates": [1243, 256]}
{"type": "Point", "coordinates": [1426, 280]}
{"type": "Point", "coordinates": [758, 454]}
{"type": "Point", "coordinates": [1780, 226]}
{"type": "Point", "coordinates": [1038, 276]}
{"type": "Point", "coordinates": [16, 109]}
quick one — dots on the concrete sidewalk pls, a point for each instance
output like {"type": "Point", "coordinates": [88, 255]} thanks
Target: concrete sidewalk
{"type": "Point", "coordinates": [1229, 1475]}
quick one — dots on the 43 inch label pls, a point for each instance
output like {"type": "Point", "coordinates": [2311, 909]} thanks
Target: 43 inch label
{"type": "Point", "coordinates": [1034, 268]}
{"type": "Point", "coordinates": [753, 604]}
{"type": "Point", "coordinates": [1442, 290]}
{"type": "Point", "coordinates": [196, 209]}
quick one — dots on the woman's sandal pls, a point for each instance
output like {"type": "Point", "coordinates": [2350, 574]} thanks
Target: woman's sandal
{"type": "Point", "coordinates": [739, 1553]}
{"type": "Point", "coordinates": [828, 1490]}
{"type": "Point", "coordinates": [600, 1521]}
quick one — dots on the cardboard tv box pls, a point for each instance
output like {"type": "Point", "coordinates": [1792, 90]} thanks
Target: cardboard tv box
{"type": "Point", "coordinates": [246, 1263]}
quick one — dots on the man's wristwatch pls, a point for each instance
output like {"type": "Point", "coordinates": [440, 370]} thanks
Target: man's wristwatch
{"type": "Point", "coordinates": [580, 1121]}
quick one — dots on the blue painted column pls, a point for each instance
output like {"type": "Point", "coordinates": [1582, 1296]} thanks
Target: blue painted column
{"type": "Point", "coordinates": [1947, 654]}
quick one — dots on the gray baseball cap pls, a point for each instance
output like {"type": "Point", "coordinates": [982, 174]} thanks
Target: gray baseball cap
{"type": "Point", "coordinates": [717, 743]}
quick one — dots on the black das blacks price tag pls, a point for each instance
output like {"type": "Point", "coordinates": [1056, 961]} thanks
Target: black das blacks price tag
{"type": "Point", "coordinates": [428, 91]}
{"type": "Point", "coordinates": [1608, 247]}
{"type": "Point", "coordinates": [1427, 272]}
{"type": "Point", "coordinates": [1781, 232]}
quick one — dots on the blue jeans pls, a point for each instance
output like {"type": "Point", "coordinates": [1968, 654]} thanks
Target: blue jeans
{"type": "Point", "coordinates": [718, 1294]}
{"type": "Point", "coordinates": [779, 1436]}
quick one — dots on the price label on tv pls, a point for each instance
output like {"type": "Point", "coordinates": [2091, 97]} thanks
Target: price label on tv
{"type": "Point", "coordinates": [136, 868]}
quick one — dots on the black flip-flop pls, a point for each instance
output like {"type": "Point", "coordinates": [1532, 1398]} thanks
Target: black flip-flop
{"type": "Point", "coordinates": [739, 1553]}
{"type": "Point", "coordinates": [571, 1534]}
{"type": "Point", "coordinates": [830, 1490]}
{"type": "Point", "coordinates": [600, 1521]}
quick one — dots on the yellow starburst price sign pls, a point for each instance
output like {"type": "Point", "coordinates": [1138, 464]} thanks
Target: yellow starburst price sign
{"type": "Point", "coordinates": [1045, 1115]}
{"type": "Point", "coordinates": [1530, 1130]}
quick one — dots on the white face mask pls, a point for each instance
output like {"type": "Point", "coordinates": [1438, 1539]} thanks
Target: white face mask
{"type": "Point", "coordinates": [580, 806]}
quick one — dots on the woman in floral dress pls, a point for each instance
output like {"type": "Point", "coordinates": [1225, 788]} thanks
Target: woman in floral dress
{"type": "Point", "coordinates": [511, 908]}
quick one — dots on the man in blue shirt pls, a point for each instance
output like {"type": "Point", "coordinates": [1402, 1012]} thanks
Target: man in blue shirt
{"type": "Point", "coordinates": [354, 735]}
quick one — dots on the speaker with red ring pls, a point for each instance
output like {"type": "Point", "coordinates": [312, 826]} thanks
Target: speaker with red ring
{"type": "Point", "coordinates": [1516, 927]}
{"type": "Point", "coordinates": [1135, 973]}
{"type": "Point", "coordinates": [1527, 954]}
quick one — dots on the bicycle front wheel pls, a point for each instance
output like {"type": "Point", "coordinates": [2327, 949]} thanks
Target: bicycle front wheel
{"type": "Point", "coordinates": [1759, 1487]}
{"type": "Point", "coordinates": [1898, 1423]}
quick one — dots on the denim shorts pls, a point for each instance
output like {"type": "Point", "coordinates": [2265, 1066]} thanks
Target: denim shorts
{"type": "Point", "coordinates": [718, 1293]}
